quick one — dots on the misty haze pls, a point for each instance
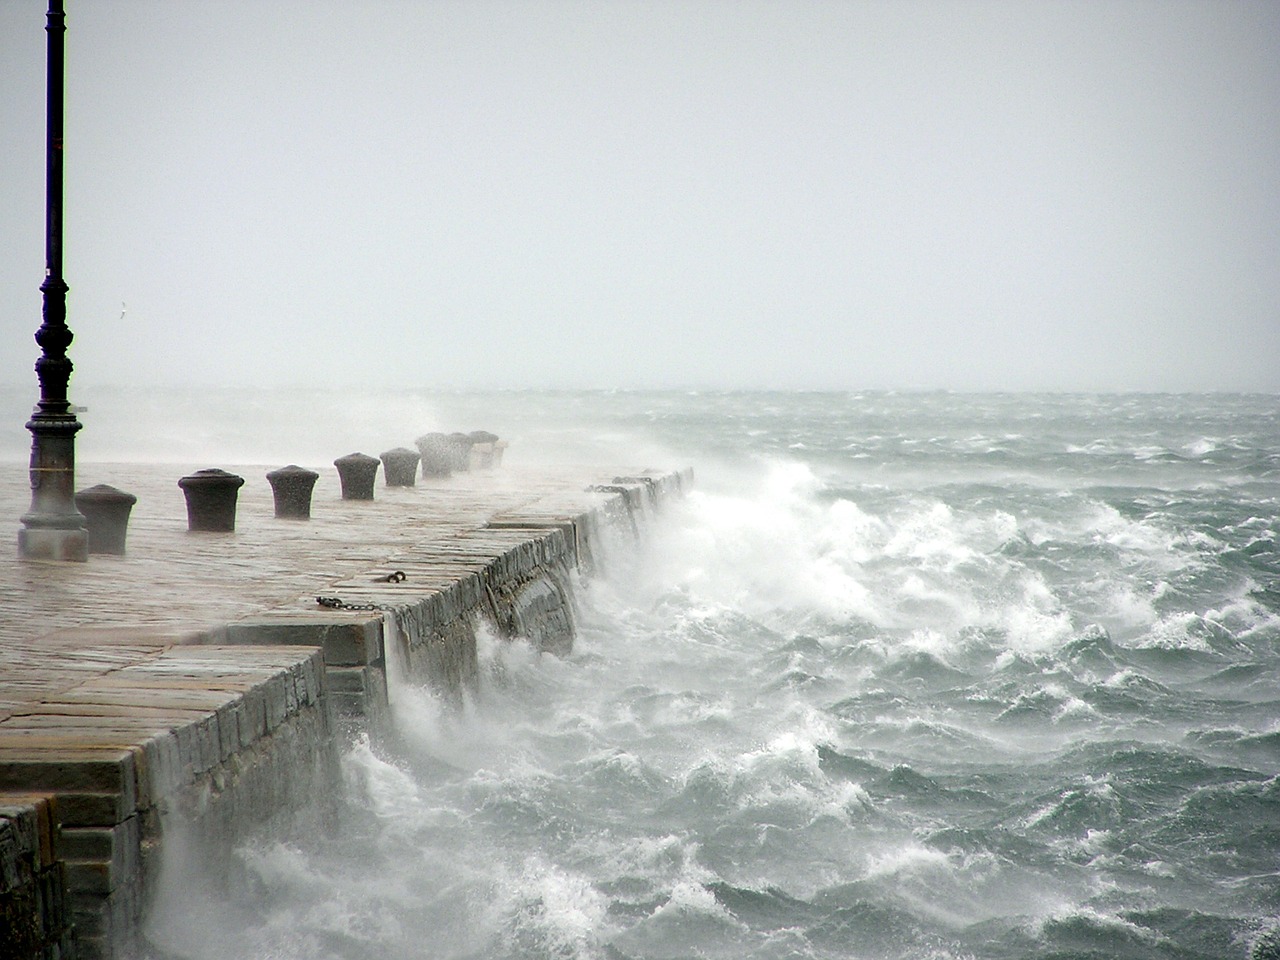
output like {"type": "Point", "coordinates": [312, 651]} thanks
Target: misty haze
{"type": "Point", "coordinates": [974, 196]}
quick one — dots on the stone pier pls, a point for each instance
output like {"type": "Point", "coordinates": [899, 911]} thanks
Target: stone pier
{"type": "Point", "coordinates": [195, 685]}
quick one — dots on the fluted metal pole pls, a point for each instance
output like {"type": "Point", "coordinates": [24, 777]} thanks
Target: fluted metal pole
{"type": "Point", "coordinates": [53, 529]}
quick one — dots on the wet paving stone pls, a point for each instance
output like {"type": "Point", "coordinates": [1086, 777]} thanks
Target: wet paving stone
{"type": "Point", "coordinates": [63, 623]}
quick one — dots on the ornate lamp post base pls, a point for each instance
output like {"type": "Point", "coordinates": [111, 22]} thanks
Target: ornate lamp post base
{"type": "Point", "coordinates": [53, 529]}
{"type": "Point", "coordinates": [50, 543]}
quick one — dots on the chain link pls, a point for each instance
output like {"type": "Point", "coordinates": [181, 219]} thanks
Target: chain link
{"type": "Point", "coordinates": [333, 603]}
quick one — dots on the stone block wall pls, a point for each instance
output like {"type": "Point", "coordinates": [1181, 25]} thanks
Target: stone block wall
{"type": "Point", "coordinates": [353, 652]}
{"type": "Point", "coordinates": [517, 574]}
{"type": "Point", "coordinates": [514, 574]}
{"type": "Point", "coordinates": [34, 923]}
{"type": "Point", "coordinates": [222, 742]}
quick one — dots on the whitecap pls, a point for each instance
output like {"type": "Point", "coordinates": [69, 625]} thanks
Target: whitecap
{"type": "Point", "coordinates": [388, 791]}
{"type": "Point", "coordinates": [911, 858]}
{"type": "Point", "coordinates": [1097, 918]}
{"type": "Point", "coordinates": [555, 911]}
{"type": "Point", "coordinates": [690, 896]}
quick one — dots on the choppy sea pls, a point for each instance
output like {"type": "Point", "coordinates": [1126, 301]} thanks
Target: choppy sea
{"type": "Point", "coordinates": [918, 675]}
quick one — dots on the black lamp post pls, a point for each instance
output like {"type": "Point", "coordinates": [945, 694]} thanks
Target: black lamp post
{"type": "Point", "coordinates": [53, 529]}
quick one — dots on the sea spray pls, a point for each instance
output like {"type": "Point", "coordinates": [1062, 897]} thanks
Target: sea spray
{"type": "Point", "coordinates": [984, 677]}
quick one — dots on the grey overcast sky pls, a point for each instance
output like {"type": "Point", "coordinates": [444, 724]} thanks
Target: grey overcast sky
{"type": "Point", "coordinates": [955, 194]}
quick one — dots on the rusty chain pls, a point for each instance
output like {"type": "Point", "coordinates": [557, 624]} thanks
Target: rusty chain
{"type": "Point", "coordinates": [335, 603]}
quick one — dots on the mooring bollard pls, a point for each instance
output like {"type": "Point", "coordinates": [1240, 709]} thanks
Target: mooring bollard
{"type": "Point", "coordinates": [482, 447]}
{"type": "Point", "coordinates": [356, 473]}
{"type": "Point", "coordinates": [461, 451]}
{"type": "Point", "coordinates": [291, 487]}
{"type": "Point", "coordinates": [106, 510]}
{"type": "Point", "coordinates": [211, 500]}
{"type": "Point", "coordinates": [437, 454]}
{"type": "Point", "coordinates": [400, 467]}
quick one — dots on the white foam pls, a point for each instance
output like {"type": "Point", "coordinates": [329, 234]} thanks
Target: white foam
{"type": "Point", "coordinates": [910, 858]}
{"type": "Point", "coordinates": [560, 911]}
{"type": "Point", "coordinates": [921, 566]}
{"type": "Point", "coordinates": [1097, 917]}
{"type": "Point", "coordinates": [690, 896]}
{"type": "Point", "coordinates": [1099, 788]}
{"type": "Point", "coordinates": [387, 791]}
{"type": "Point", "coordinates": [776, 548]}
{"type": "Point", "coordinates": [1177, 631]}
{"type": "Point", "coordinates": [1123, 604]}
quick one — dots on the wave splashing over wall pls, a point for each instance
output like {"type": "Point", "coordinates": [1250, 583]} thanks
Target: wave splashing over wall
{"type": "Point", "coordinates": [961, 677]}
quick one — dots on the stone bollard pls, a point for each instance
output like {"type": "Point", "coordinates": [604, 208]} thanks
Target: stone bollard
{"type": "Point", "coordinates": [482, 448]}
{"type": "Point", "coordinates": [107, 511]}
{"type": "Point", "coordinates": [291, 486]}
{"type": "Point", "coordinates": [356, 473]}
{"type": "Point", "coordinates": [461, 451]}
{"type": "Point", "coordinates": [211, 500]}
{"type": "Point", "coordinates": [437, 454]}
{"type": "Point", "coordinates": [400, 467]}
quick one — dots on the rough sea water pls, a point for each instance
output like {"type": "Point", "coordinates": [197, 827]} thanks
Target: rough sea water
{"type": "Point", "coordinates": [906, 676]}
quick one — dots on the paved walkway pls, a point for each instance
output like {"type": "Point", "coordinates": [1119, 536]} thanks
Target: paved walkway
{"type": "Point", "coordinates": [62, 624]}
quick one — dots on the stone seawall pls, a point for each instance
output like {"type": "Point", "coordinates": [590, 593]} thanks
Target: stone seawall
{"type": "Point", "coordinates": [33, 911]}
{"type": "Point", "coordinates": [227, 740]}
{"type": "Point", "coordinates": [213, 733]}
{"type": "Point", "coordinates": [514, 574]}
